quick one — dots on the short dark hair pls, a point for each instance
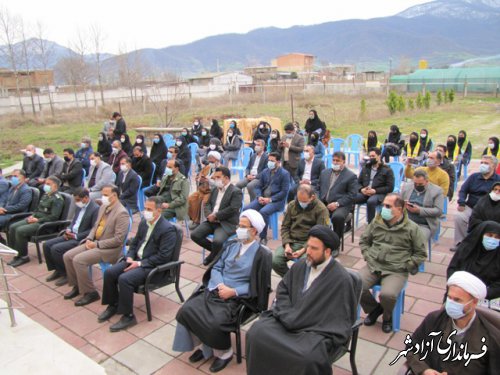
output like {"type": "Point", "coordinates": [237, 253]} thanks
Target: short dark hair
{"type": "Point", "coordinates": [306, 188]}
{"type": "Point", "coordinates": [421, 173]}
{"type": "Point", "coordinates": [177, 164]}
{"type": "Point", "coordinates": [289, 126]}
{"type": "Point", "coordinates": [81, 192]}
{"type": "Point", "coordinates": [116, 114]}
{"type": "Point", "coordinates": [276, 155]}
{"type": "Point", "coordinates": [175, 148]}
{"type": "Point", "coordinates": [375, 150]}
{"type": "Point", "coordinates": [225, 171]}
{"type": "Point", "coordinates": [97, 154]}
{"type": "Point", "coordinates": [55, 180]}
{"type": "Point", "coordinates": [138, 148]}
{"type": "Point", "coordinates": [69, 151]}
{"type": "Point", "coordinates": [22, 172]}
{"type": "Point", "coordinates": [399, 201]}
{"type": "Point", "coordinates": [127, 160]}
{"type": "Point", "coordinates": [439, 155]}
{"type": "Point", "coordinates": [444, 147]}
{"type": "Point", "coordinates": [48, 151]}
{"type": "Point", "coordinates": [339, 154]}
{"type": "Point", "coordinates": [156, 200]}
{"type": "Point", "coordinates": [113, 187]}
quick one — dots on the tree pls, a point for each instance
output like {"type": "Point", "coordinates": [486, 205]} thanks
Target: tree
{"type": "Point", "coordinates": [26, 62]}
{"type": "Point", "coordinates": [44, 52]}
{"type": "Point", "coordinates": [411, 104]}
{"type": "Point", "coordinates": [439, 97]}
{"type": "Point", "coordinates": [451, 95]}
{"type": "Point", "coordinates": [392, 102]}
{"type": "Point", "coordinates": [427, 100]}
{"type": "Point", "coordinates": [420, 101]}
{"type": "Point", "coordinates": [401, 104]}
{"type": "Point", "coordinates": [97, 39]}
{"type": "Point", "coordinates": [83, 75]}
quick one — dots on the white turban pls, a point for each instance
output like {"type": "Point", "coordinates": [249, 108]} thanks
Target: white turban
{"type": "Point", "coordinates": [468, 282]}
{"type": "Point", "coordinates": [255, 218]}
{"type": "Point", "coordinates": [215, 154]}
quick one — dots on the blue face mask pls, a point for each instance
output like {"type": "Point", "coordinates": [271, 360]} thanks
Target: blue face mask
{"type": "Point", "coordinates": [490, 243]}
{"type": "Point", "coordinates": [386, 213]}
{"type": "Point", "coordinates": [168, 171]}
{"type": "Point", "coordinates": [14, 181]}
{"type": "Point", "coordinates": [169, 155]}
{"type": "Point", "coordinates": [231, 126]}
{"type": "Point", "coordinates": [156, 140]}
{"type": "Point", "coordinates": [303, 205]}
{"type": "Point", "coordinates": [271, 164]}
{"type": "Point", "coordinates": [454, 309]}
{"type": "Point", "coordinates": [47, 188]}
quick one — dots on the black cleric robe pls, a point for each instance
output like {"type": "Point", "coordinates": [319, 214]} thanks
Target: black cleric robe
{"type": "Point", "coordinates": [305, 330]}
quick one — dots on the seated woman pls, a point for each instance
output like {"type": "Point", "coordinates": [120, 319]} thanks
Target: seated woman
{"type": "Point", "coordinates": [370, 142]}
{"type": "Point", "coordinates": [203, 146]}
{"type": "Point", "coordinates": [263, 131]}
{"type": "Point", "coordinates": [493, 147]}
{"type": "Point", "coordinates": [232, 147]}
{"type": "Point", "coordinates": [452, 149]}
{"type": "Point", "coordinates": [188, 137]}
{"type": "Point", "coordinates": [413, 150]}
{"type": "Point", "coordinates": [486, 208]}
{"type": "Point", "coordinates": [479, 254]}
{"type": "Point", "coordinates": [319, 148]}
{"type": "Point", "coordinates": [274, 141]}
{"type": "Point", "coordinates": [184, 155]}
{"type": "Point", "coordinates": [393, 144]}
{"type": "Point", "coordinates": [139, 142]}
{"type": "Point", "coordinates": [465, 151]}
{"type": "Point", "coordinates": [233, 125]}
{"type": "Point", "coordinates": [426, 144]}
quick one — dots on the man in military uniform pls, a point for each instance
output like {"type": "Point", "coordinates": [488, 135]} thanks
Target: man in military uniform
{"type": "Point", "coordinates": [49, 209]}
{"type": "Point", "coordinates": [174, 192]}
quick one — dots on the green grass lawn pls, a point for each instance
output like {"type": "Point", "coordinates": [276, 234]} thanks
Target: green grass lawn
{"type": "Point", "coordinates": [479, 116]}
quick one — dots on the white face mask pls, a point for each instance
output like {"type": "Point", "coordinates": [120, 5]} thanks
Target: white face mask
{"type": "Point", "coordinates": [212, 147]}
{"type": "Point", "coordinates": [423, 135]}
{"type": "Point", "coordinates": [105, 201]}
{"type": "Point", "coordinates": [148, 215]}
{"type": "Point", "coordinates": [115, 150]}
{"type": "Point", "coordinates": [80, 204]}
{"type": "Point", "coordinates": [83, 145]}
{"type": "Point", "coordinates": [219, 184]}
{"type": "Point", "coordinates": [490, 145]}
{"type": "Point", "coordinates": [29, 154]}
{"type": "Point", "coordinates": [124, 168]}
{"type": "Point", "coordinates": [138, 140]}
{"type": "Point", "coordinates": [307, 156]}
{"type": "Point", "coordinates": [336, 167]}
{"type": "Point", "coordinates": [495, 196]}
{"type": "Point", "coordinates": [258, 149]}
{"type": "Point", "coordinates": [242, 234]}
{"type": "Point", "coordinates": [274, 135]}
{"type": "Point", "coordinates": [93, 163]}
{"type": "Point", "coordinates": [178, 143]}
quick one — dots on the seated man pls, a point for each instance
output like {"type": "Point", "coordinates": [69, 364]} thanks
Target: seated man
{"type": "Point", "coordinates": [4, 189]}
{"type": "Point", "coordinates": [475, 187]}
{"type": "Point", "coordinates": [100, 174]}
{"type": "Point", "coordinates": [117, 154]}
{"type": "Point", "coordinates": [312, 316]}
{"type": "Point", "coordinates": [471, 326]}
{"type": "Point", "coordinates": [71, 175]}
{"type": "Point", "coordinates": [337, 189]}
{"type": "Point", "coordinates": [222, 211]}
{"type": "Point", "coordinates": [242, 271]}
{"type": "Point", "coordinates": [142, 165]}
{"type": "Point", "coordinates": [256, 164]}
{"type": "Point", "coordinates": [436, 175]}
{"type": "Point", "coordinates": [83, 153]}
{"type": "Point", "coordinates": [152, 246]}
{"type": "Point", "coordinates": [392, 246]}
{"type": "Point", "coordinates": [301, 215]}
{"type": "Point", "coordinates": [18, 198]}
{"type": "Point", "coordinates": [376, 180]}
{"type": "Point", "coordinates": [49, 209]}
{"type": "Point", "coordinates": [173, 153]}
{"type": "Point", "coordinates": [83, 221]}
{"type": "Point", "coordinates": [424, 203]}
{"type": "Point", "coordinates": [103, 244]}
{"type": "Point", "coordinates": [449, 168]}
{"type": "Point", "coordinates": [53, 167]}
{"type": "Point", "coordinates": [173, 192]}
{"type": "Point", "coordinates": [309, 170]}
{"type": "Point", "coordinates": [33, 163]}
{"type": "Point", "coordinates": [272, 191]}
{"type": "Point", "coordinates": [127, 183]}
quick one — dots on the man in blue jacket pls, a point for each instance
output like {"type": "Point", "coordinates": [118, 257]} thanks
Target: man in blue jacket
{"type": "Point", "coordinates": [272, 191]}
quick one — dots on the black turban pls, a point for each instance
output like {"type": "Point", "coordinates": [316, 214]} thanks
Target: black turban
{"type": "Point", "coordinates": [326, 235]}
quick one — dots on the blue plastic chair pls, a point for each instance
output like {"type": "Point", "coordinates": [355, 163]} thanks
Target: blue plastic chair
{"type": "Point", "coordinates": [193, 147]}
{"type": "Point", "coordinates": [353, 146]}
{"type": "Point", "coordinates": [328, 160]}
{"type": "Point", "coordinates": [153, 172]}
{"type": "Point", "coordinates": [399, 307]}
{"type": "Point", "coordinates": [242, 161]}
{"type": "Point", "coordinates": [273, 219]}
{"type": "Point", "coordinates": [168, 137]}
{"type": "Point", "coordinates": [170, 143]}
{"type": "Point", "coordinates": [398, 169]}
{"type": "Point", "coordinates": [335, 144]}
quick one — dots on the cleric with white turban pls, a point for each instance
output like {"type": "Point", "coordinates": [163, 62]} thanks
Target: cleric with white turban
{"type": "Point", "coordinates": [255, 218]}
{"type": "Point", "coordinates": [468, 282]}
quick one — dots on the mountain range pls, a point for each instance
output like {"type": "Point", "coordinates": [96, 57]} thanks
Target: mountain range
{"type": "Point", "coordinates": [442, 32]}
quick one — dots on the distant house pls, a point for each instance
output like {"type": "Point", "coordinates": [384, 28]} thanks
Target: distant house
{"type": "Point", "coordinates": [231, 80]}
{"type": "Point", "coordinates": [295, 62]}
{"type": "Point", "coordinates": [38, 79]}
{"type": "Point", "coordinates": [261, 73]}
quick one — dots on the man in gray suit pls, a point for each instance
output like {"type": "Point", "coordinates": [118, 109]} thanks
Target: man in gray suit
{"type": "Point", "coordinates": [82, 223]}
{"type": "Point", "coordinates": [291, 146]}
{"type": "Point", "coordinates": [103, 244]}
{"type": "Point", "coordinates": [100, 174]}
{"type": "Point", "coordinates": [424, 202]}
{"type": "Point", "coordinates": [53, 167]}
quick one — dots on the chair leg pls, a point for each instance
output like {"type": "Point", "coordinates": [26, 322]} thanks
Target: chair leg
{"type": "Point", "coordinates": [148, 304]}
{"type": "Point", "coordinates": [178, 290]}
{"type": "Point", "coordinates": [352, 228]}
{"type": "Point", "coordinates": [238, 344]}
{"type": "Point", "coordinates": [352, 352]}
{"type": "Point", "coordinates": [38, 252]}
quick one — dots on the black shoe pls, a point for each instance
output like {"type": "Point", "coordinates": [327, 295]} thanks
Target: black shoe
{"type": "Point", "coordinates": [88, 298]}
{"type": "Point", "coordinates": [387, 326]}
{"type": "Point", "coordinates": [10, 262]}
{"type": "Point", "coordinates": [371, 319]}
{"type": "Point", "coordinates": [197, 356]}
{"type": "Point", "coordinates": [62, 281]}
{"type": "Point", "coordinates": [208, 259]}
{"type": "Point", "coordinates": [220, 364]}
{"type": "Point", "coordinates": [72, 293]}
{"type": "Point", "coordinates": [19, 261]}
{"type": "Point", "coordinates": [108, 313]}
{"type": "Point", "coordinates": [54, 276]}
{"type": "Point", "coordinates": [124, 323]}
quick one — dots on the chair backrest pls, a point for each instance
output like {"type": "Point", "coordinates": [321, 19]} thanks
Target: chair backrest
{"type": "Point", "coordinates": [398, 170]}
{"type": "Point", "coordinates": [358, 287]}
{"type": "Point", "coordinates": [168, 137]}
{"type": "Point", "coordinates": [153, 171]}
{"type": "Point", "coordinates": [179, 234]}
{"type": "Point", "coordinates": [353, 142]}
{"type": "Point", "coordinates": [84, 176]}
{"type": "Point", "coordinates": [130, 222]}
{"type": "Point", "coordinates": [140, 202]}
{"type": "Point", "coordinates": [170, 143]}
{"type": "Point", "coordinates": [68, 199]}
{"type": "Point", "coordinates": [193, 147]}
{"type": "Point", "coordinates": [335, 144]}
{"type": "Point", "coordinates": [245, 155]}
{"type": "Point", "coordinates": [35, 199]}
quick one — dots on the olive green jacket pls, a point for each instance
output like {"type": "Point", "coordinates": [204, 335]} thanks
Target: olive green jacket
{"type": "Point", "coordinates": [174, 190]}
{"type": "Point", "coordinates": [49, 208]}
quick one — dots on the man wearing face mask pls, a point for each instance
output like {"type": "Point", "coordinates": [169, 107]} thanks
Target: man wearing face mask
{"type": "Point", "coordinates": [474, 188]}
{"type": "Point", "coordinates": [83, 154]}
{"type": "Point", "coordinates": [127, 183]}
{"type": "Point", "coordinates": [310, 168]}
{"type": "Point", "coordinates": [53, 167]}
{"type": "Point", "coordinates": [436, 175]}
{"type": "Point", "coordinates": [83, 221]}
{"type": "Point", "coordinates": [142, 165]}
{"type": "Point", "coordinates": [337, 188]}
{"type": "Point", "coordinates": [460, 314]}
{"type": "Point", "coordinates": [486, 208]}
{"type": "Point", "coordinates": [100, 174]}
{"type": "Point", "coordinates": [393, 246]}
{"type": "Point", "coordinates": [424, 202]}
{"type": "Point", "coordinates": [103, 244]}
{"type": "Point", "coordinates": [449, 168]}
{"type": "Point", "coordinates": [49, 209]}
{"type": "Point", "coordinates": [18, 198]}
{"type": "Point", "coordinates": [174, 191]}
{"type": "Point", "coordinates": [272, 191]}
{"type": "Point", "coordinates": [71, 175]}
{"type": "Point", "coordinates": [221, 211]}
{"type": "Point", "coordinates": [301, 215]}
{"type": "Point", "coordinates": [172, 154]}
{"type": "Point", "coordinates": [241, 272]}
{"type": "Point", "coordinates": [117, 154]}
{"type": "Point", "coordinates": [291, 146]}
{"type": "Point", "coordinates": [376, 180]}
{"type": "Point", "coordinates": [152, 246]}
{"type": "Point", "coordinates": [257, 163]}
{"type": "Point", "coordinates": [32, 163]}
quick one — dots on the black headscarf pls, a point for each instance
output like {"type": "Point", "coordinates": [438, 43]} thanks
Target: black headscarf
{"type": "Point", "coordinates": [372, 141]}
{"type": "Point", "coordinates": [413, 139]}
{"type": "Point", "coordinates": [126, 145]}
{"type": "Point", "coordinates": [326, 235]}
{"type": "Point", "coordinates": [141, 145]}
{"type": "Point", "coordinates": [314, 124]}
{"type": "Point", "coordinates": [158, 151]}
{"type": "Point", "coordinates": [424, 141]}
{"type": "Point", "coordinates": [461, 140]}
{"type": "Point", "coordinates": [494, 152]}
{"type": "Point", "coordinates": [216, 130]}
{"type": "Point", "coordinates": [104, 147]}
{"type": "Point", "coordinates": [273, 143]}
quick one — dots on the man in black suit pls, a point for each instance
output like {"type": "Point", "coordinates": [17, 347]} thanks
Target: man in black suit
{"type": "Point", "coordinates": [337, 189]}
{"type": "Point", "coordinates": [127, 183]}
{"type": "Point", "coordinates": [256, 164]}
{"type": "Point", "coordinates": [143, 166]}
{"type": "Point", "coordinates": [222, 212]}
{"type": "Point", "coordinates": [71, 175]}
{"type": "Point", "coordinates": [152, 246]}
{"type": "Point", "coordinates": [309, 170]}
{"type": "Point", "coordinates": [83, 221]}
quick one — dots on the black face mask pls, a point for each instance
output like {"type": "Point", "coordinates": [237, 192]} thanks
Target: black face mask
{"type": "Point", "coordinates": [373, 162]}
{"type": "Point", "coordinates": [420, 188]}
{"type": "Point", "coordinates": [450, 144]}
{"type": "Point", "coordinates": [66, 158]}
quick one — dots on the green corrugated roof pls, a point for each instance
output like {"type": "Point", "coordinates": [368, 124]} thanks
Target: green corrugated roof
{"type": "Point", "coordinates": [486, 73]}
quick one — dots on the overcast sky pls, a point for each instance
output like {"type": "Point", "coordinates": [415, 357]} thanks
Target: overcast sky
{"type": "Point", "coordinates": [132, 24]}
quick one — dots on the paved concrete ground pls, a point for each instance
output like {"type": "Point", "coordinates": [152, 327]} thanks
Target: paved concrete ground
{"type": "Point", "coordinates": [146, 348]}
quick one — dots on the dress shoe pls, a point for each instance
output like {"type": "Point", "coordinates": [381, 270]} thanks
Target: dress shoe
{"type": "Point", "coordinates": [196, 356]}
{"type": "Point", "coordinates": [72, 293]}
{"type": "Point", "coordinates": [387, 326]}
{"type": "Point", "coordinates": [219, 364]}
{"type": "Point", "coordinates": [108, 313]}
{"type": "Point", "coordinates": [54, 276]}
{"type": "Point", "coordinates": [62, 281]}
{"type": "Point", "coordinates": [19, 261]}
{"type": "Point", "coordinates": [125, 322]}
{"type": "Point", "coordinates": [88, 298]}
{"type": "Point", "coordinates": [9, 263]}
{"type": "Point", "coordinates": [371, 319]}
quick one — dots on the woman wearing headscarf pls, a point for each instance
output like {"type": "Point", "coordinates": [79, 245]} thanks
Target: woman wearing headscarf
{"type": "Point", "coordinates": [452, 149]}
{"type": "Point", "coordinates": [234, 126]}
{"type": "Point", "coordinates": [126, 145]}
{"type": "Point", "coordinates": [263, 131]}
{"type": "Point", "coordinates": [139, 142]}
{"type": "Point", "coordinates": [492, 148]}
{"type": "Point", "coordinates": [425, 141]}
{"type": "Point", "coordinates": [184, 153]}
{"type": "Point", "coordinates": [274, 141]}
{"type": "Point", "coordinates": [486, 208]}
{"type": "Point", "coordinates": [158, 151]}
{"type": "Point", "coordinates": [204, 144]}
{"type": "Point", "coordinates": [393, 144]}
{"type": "Point", "coordinates": [465, 151]}
{"type": "Point", "coordinates": [479, 254]}
{"type": "Point", "coordinates": [232, 146]}
{"type": "Point", "coordinates": [197, 127]}
{"type": "Point", "coordinates": [413, 149]}
{"type": "Point", "coordinates": [103, 146]}
{"type": "Point", "coordinates": [319, 148]}
{"type": "Point", "coordinates": [188, 137]}
{"type": "Point", "coordinates": [314, 125]}
{"type": "Point", "coordinates": [215, 130]}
